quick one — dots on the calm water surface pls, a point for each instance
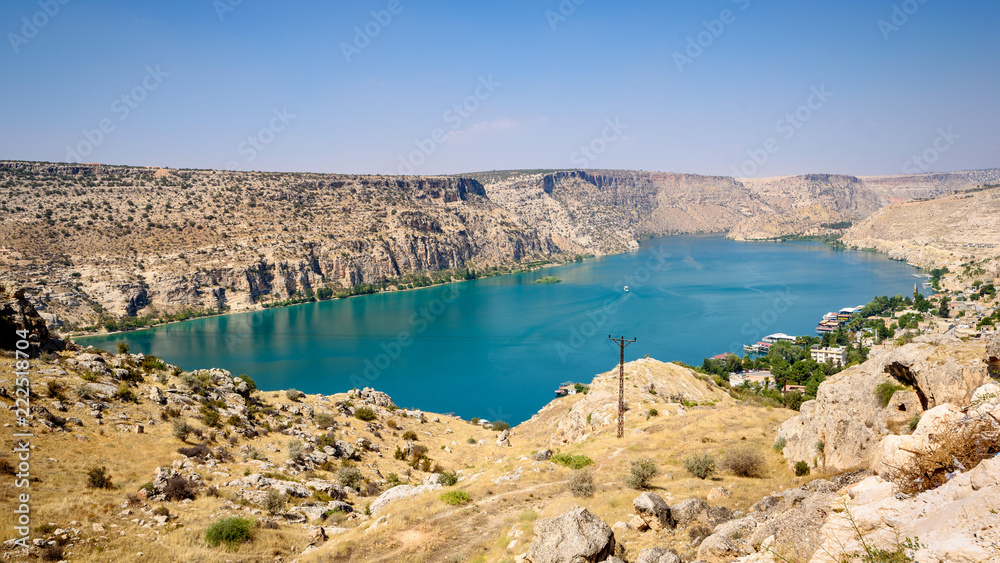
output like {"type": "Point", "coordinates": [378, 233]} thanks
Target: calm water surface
{"type": "Point", "coordinates": [497, 348]}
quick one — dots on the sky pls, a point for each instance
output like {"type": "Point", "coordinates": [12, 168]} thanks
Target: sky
{"type": "Point", "coordinates": [720, 87]}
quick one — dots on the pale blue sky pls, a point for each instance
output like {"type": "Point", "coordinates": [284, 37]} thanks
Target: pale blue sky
{"type": "Point", "coordinates": [267, 86]}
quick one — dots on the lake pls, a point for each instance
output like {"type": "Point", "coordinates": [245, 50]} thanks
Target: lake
{"type": "Point", "coordinates": [497, 348]}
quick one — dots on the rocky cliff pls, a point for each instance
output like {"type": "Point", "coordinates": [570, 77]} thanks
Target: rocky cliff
{"type": "Point", "coordinates": [96, 242]}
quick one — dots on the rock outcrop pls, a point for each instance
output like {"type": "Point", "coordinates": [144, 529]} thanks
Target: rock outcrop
{"type": "Point", "coordinates": [847, 417]}
{"type": "Point", "coordinates": [19, 321]}
{"type": "Point", "coordinates": [576, 536]}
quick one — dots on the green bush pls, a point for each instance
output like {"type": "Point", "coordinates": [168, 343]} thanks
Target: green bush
{"type": "Point", "coordinates": [885, 390]}
{"type": "Point", "coordinates": [365, 414]}
{"type": "Point", "coordinates": [572, 461]}
{"type": "Point", "coordinates": [701, 466]}
{"type": "Point", "coordinates": [499, 426]}
{"type": "Point", "coordinates": [274, 502]}
{"type": "Point", "coordinates": [182, 430]}
{"type": "Point", "coordinates": [294, 394]}
{"type": "Point", "coordinates": [410, 435]}
{"type": "Point", "coordinates": [801, 468]}
{"type": "Point", "coordinates": [471, 441]}
{"type": "Point", "coordinates": [324, 420]}
{"type": "Point", "coordinates": [210, 417]}
{"type": "Point", "coordinates": [122, 347]}
{"type": "Point", "coordinates": [779, 443]}
{"type": "Point", "coordinates": [653, 412]}
{"type": "Point", "coordinates": [641, 471]}
{"type": "Point", "coordinates": [231, 531]}
{"type": "Point", "coordinates": [296, 451]}
{"type": "Point", "coordinates": [125, 394]}
{"type": "Point", "coordinates": [449, 478]}
{"type": "Point", "coordinates": [455, 497]}
{"type": "Point", "coordinates": [99, 478]}
{"type": "Point", "coordinates": [350, 477]}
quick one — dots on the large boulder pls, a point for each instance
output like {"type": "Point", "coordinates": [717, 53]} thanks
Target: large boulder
{"type": "Point", "coordinates": [654, 511]}
{"type": "Point", "coordinates": [689, 511]}
{"type": "Point", "coordinates": [399, 493]}
{"type": "Point", "coordinates": [657, 555]}
{"type": "Point", "coordinates": [376, 398]}
{"type": "Point", "coordinates": [577, 536]}
{"type": "Point", "coordinates": [848, 418]}
{"type": "Point", "coordinates": [18, 314]}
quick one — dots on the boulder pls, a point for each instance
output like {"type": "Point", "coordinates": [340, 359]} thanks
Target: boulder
{"type": "Point", "coordinates": [654, 511]}
{"type": "Point", "coordinates": [576, 536]}
{"type": "Point", "coordinates": [688, 511]}
{"type": "Point", "coordinates": [718, 494]}
{"type": "Point", "coordinates": [399, 493]}
{"type": "Point", "coordinates": [376, 398]}
{"type": "Point", "coordinates": [657, 555]}
{"type": "Point", "coordinates": [503, 440]}
{"type": "Point", "coordinates": [156, 396]}
{"type": "Point", "coordinates": [543, 455]}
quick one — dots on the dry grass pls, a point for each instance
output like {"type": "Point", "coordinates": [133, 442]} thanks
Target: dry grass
{"type": "Point", "coordinates": [960, 447]}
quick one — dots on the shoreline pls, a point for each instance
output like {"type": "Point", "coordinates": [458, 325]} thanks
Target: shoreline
{"type": "Point", "coordinates": [74, 335]}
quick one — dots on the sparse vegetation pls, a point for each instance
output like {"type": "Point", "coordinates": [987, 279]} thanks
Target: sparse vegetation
{"type": "Point", "coordinates": [582, 483]}
{"type": "Point", "coordinates": [455, 497]}
{"type": "Point", "coordinates": [572, 461]}
{"type": "Point", "coordinates": [701, 466]}
{"type": "Point", "coordinates": [294, 395]}
{"type": "Point", "coordinates": [885, 390]}
{"type": "Point", "coordinates": [231, 531]}
{"type": "Point", "coordinates": [641, 471]}
{"type": "Point", "coordinates": [274, 503]}
{"type": "Point", "coordinates": [99, 478]}
{"type": "Point", "coordinates": [744, 462]}
{"type": "Point", "coordinates": [801, 468]}
{"type": "Point", "coordinates": [350, 477]}
{"type": "Point", "coordinates": [365, 413]}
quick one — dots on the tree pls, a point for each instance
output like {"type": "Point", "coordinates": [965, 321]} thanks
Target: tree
{"type": "Point", "coordinates": [943, 310]}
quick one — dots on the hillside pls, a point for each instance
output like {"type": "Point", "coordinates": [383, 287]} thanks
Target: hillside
{"type": "Point", "coordinates": [954, 228]}
{"type": "Point", "coordinates": [98, 244]}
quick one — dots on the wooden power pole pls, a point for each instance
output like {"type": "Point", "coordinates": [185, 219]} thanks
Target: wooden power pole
{"type": "Point", "coordinates": [622, 343]}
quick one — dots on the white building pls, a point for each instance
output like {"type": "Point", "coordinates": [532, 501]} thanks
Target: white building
{"type": "Point", "coordinates": [821, 355]}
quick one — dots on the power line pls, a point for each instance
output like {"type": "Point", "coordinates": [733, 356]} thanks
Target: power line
{"type": "Point", "coordinates": [622, 343]}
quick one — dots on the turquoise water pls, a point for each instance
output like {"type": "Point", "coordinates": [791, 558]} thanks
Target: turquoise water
{"type": "Point", "coordinates": [497, 348]}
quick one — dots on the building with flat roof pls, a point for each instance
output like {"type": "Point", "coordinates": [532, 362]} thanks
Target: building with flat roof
{"type": "Point", "coordinates": [838, 355]}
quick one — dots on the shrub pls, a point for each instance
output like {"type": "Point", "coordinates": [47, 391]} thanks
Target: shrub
{"type": "Point", "coordinates": [914, 422]}
{"type": "Point", "coordinates": [54, 390]}
{"type": "Point", "coordinates": [274, 502]}
{"type": "Point", "coordinates": [572, 461]}
{"type": "Point", "coordinates": [51, 552]}
{"type": "Point", "coordinates": [99, 478]}
{"type": "Point", "coordinates": [701, 466]}
{"type": "Point", "coordinates": [820, 446]}
{"type": "Point", "coordinates": [455, 497]}
{"type": "Point", "coordinates": [449, 478]}
{"type": "Point", "coordinates": [499, 426]}
{"type": "Point", "coordinates": [198, 451]}
{"type": "Point", "coordinates": [231, 531]}
{"type": "Point", "coordinates": [182, 430]}
{"type": "Point", "coordinates": [365, 414]}
{"type": "Point", "coordinates": [125, 394]}
{"type": "Point", "coordinates": [779, 444]}
{"type": "Point", "coordinates": [294, 394]}
{"type": "Point", "coordinates": [178, 488]}
{"type": "Point", "coordinates": [324, 420]}
{"type": "Point", "coordinates": [801, 468]}
{"type": "Point", "coordinates": [885, 390]}
{"type": "Point", "coordinates": [410, 435]}
{"type": "Point", "coordinates": [392, 480]}
{"type": "Point", "coordinates": [653, 412]}
{"type": "Point", "coordinates": [122, 347]}
{"type": "Point", "coordinates": [350, 477]}
{"type": "Point", "coordinates": [471, 441]}
{"type": "Point", "coordinates": [152, 363]}
{"type": "Point", "coordinates": [640, 473]}
{"type": "Point", "coordinates": [296, 451]}
{"type": "Point", "coordinates": [582, 483]}
{"type": "Point", "coordinates": [744, 462]}
{"type": "Point", "coordinates": [210, 416]}
{"type": "Point", "coordinates": [392, 424]}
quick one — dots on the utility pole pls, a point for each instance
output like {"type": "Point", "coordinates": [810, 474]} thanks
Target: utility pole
{"type": "Point", "coordinates": [622, 343]}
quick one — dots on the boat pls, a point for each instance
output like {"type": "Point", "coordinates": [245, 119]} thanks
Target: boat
{"type": "Point", "coordinates": [626, 289]}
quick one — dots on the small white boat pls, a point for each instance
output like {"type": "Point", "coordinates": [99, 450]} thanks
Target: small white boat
{"type": "Point", "coordinates": [626, 288]}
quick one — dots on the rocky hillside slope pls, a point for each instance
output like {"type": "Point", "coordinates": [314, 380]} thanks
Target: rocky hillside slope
{"type": "Point", "coordinates": [959, 227]}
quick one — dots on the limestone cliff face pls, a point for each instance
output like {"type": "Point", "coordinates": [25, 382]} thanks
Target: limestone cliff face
{"type": "Point", "coordinates": [848, 418]}
{"type": "Point", "coordinates": [959, 227]}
